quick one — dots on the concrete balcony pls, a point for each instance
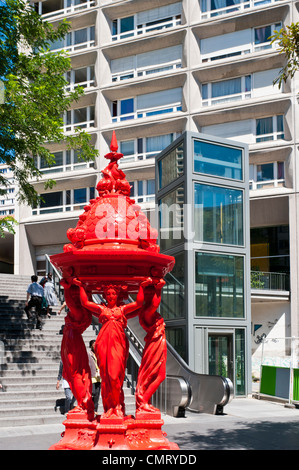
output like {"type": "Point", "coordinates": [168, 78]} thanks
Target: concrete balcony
{"type": "Point", "coordinates": [269, 287]}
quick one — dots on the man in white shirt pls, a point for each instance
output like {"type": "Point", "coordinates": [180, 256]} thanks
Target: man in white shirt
{"type": "Point", "coordinates": [35, 294]}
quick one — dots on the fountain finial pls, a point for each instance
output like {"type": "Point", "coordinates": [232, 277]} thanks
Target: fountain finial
{"type": "Point", "coordinates": [113, 144]}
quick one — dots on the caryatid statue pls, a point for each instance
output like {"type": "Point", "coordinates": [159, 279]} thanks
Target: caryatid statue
{"type": "Point", "coordinates": [113, 252]}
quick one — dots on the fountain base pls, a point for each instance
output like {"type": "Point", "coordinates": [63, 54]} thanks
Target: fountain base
{"type": "Point", "coordinates": [114, 433]}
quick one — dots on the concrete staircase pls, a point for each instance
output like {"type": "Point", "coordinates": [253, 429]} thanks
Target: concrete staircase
{"type": "Point", "coordinates": [29, 361]}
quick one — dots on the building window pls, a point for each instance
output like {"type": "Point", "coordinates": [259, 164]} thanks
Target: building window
{"type": "Point", "coordinates": [220, 7]}
{"type": "Point", "coordinates": [267, 175]}
{"type": "Point", "coordinates": [79, 117]}
{"type": "Point", "coordinates": [237, 43]}
{"type": "Point", "coordinates": [143, 190]}
{"type": "Point", "coordinates": [76, 40]}
{"type": "Point", "coordinates": [52, 202]}
{"type": "Point", "coordinates": [262, 36]}
{"type": "Point", "coordinates": [49, 9]}
{"type": "Point", "coordinates": [219, 285]}
{"type": "Point", "coordinates": [269, 128]}
{"type": "Point", "coordinates": [144, 148]}
{"type": "Point", "coordinates": [176, 336]}
{"type": "Point", "coordinates": [66, 160]}
{"type": "Point", "coordinates": [83, 77]}
{"type": "Point", "coordinates": [64, 201]}
{"type": "Point", "coordinates": [148, 63]}
{"type": "Point", "coordinates": [226, 90]}
{"type": "Point", "coordinates": [123, 28]}
{"type": "Point", "coordinates": [122, 110]}
{"type": "Point", "coordinates": [218, 215]}
{"type": "Point", "coordinates": [151, 104]}
{"type": "Point", "coordinates": [171, 166]}
{"type": "Point", "coordinates": [218, 160]}
{"type": "Point", "coordinates": [173, 293]}
{"type": "Point", "coordinates": [147, 21]}
{"type": "Point", "coordinates": [211, 8]}
{"type": "Point", "coordinates": [270, 257]}
{"type": "Point", "coordinates": [171, 218]}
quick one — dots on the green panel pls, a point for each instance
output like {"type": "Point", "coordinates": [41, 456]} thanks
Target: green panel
{"type": "Point", "coordinates": [268, 380]}
{"type": "Point", "coordinates": [296, 385]}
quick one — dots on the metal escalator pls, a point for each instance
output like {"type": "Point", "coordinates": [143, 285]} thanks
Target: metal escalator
{"type": "Point", "coordinates": [183, 389]}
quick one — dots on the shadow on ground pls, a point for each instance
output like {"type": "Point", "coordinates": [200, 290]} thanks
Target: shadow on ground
{"type": "Point", "coordinates": [264, 435]}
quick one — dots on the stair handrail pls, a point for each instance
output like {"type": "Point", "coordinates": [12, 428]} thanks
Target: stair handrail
{"type": "Point", "coordinates": [57, 276]}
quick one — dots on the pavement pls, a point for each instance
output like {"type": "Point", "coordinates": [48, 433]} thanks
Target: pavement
{"type": "Point", "coordinates": [246, 424]}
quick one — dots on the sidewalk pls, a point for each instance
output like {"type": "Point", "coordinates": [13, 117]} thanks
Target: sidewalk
{"type": "Point", "coordinates": [247, 424]}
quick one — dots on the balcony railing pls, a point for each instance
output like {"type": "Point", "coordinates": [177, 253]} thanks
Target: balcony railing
{"type": "Point", "coordinates": [76, 47]}
{"type": "Point", "coordinates": [87, 84]}
{"type": "Point", "coordinates": [223, 99]}
{"type": "Point", "coordinates": [74, 126]}
{"type": "Point", "coordinates": [142, 113]}
{"type": "Point", "coordinates": [61, 208]}
{"type": "Point", "coordinates": [137, 157]}
{"type": "Point", "coordinates": [144, 29]}
{"type": "Point", "coordinates": [266, 184]}
{"type": "Point", "coordinates": [278, 135]}
{"type": "Point", "coordinates": [239, 50]}
{"type": "Point", "coordinates": [270, 281]}
{"type": "Point", "coordinates": [69, 10]}
{"type": "Point", "coordinates": [144, 71]}
{"type": "Point", "coordinates": [235, 8]}
{"type": "Point", "coordinates": [67, 167]}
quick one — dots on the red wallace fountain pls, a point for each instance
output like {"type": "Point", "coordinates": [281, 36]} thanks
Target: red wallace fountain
{"type": "Point", "coordinates": [113, 252]}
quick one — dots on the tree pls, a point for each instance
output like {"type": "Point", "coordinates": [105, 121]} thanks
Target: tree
{"type": "Point", "coordinates": [288, 40]}
{"type": "Point", "coordinates": [35, 99]}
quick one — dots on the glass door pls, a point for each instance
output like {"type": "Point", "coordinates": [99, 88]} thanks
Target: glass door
{"type": "Point", "coordinates": [221, 355]}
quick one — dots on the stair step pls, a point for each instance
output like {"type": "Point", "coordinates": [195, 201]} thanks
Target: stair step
{"type": "Point", "coordinates": [27, 367]}
{"type": "Point", "coordinates": [30, 363]}
{"type": "Point", "coordinates": [33, 420]}
{"type": "Point", "coordinates": [13, 382]}
{"type": "Point", "coordinates": [14, 407]}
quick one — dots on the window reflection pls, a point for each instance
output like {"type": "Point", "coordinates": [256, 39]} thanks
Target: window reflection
{"type": "Point", "coordinates": [218, 214]}
{"type": "Point", "coordinates": [171, 217]}
{"type": "Point", "coordinates": [219, 285]}
{"type": "Point", "coordinates": [218, 160]}
{"type": "Point", "coordinates": [173, 293]}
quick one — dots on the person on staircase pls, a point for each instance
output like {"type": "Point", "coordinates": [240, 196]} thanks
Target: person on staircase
{"type": "Point", "coordinates": [49, 293]}
{"type": "Point", "coordinates": [69, 397]}
{"type": "Point", "coordinates": [95, 375]}
{"type": "Point", "coordinates": [35, 293]}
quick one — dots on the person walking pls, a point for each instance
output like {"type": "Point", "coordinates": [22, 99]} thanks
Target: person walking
{"type": "Point", "coordinates": [95, 375]}
{"type": "Point", "coordinates": [49, 294]}
{"type": "Point", "coordinates": [69, 397]}
{"type": "Point", "coordinates": [35, 293]}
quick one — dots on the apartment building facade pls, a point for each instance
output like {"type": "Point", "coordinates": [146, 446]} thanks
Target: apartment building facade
{"type": "Point", "coordinates": [152, 71]}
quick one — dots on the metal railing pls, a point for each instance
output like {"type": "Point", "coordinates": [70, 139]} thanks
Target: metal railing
{"type": "Point", "coordinates": [238, 7]}
{"type": "Point", "coordinates": [145, 29]}
{"type": "Point", "coordinates": [148, 70]}
{"type": "Point", "coordinates": [142, 113]}
{"type": "Point", "coordinates": [68, 10]}
{"type": "Point", "coordinates": [56, 276]}
{"type": "Point", "coordinates": [269, 281]}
